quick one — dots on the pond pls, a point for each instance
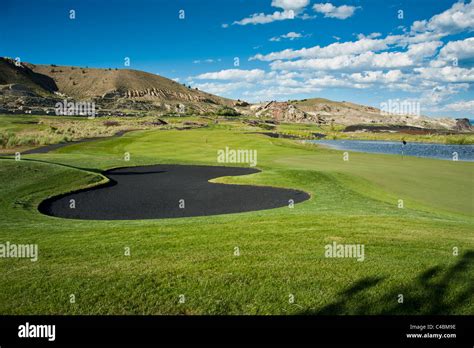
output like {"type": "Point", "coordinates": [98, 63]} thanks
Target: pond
{"type": "Point", "coordinates": [429, 150]}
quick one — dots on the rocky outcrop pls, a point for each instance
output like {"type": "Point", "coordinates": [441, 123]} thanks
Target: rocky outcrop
{"type": "Point", "coordinates": [241, 103]}
{"type": "Point", "coordinates": [463, 124]}
{"type": "Point", "coordinates": [112, 95]}
{"type": "Point", "coordinates": [287, 112]}
{"type": "Point", "coordinates": [324, 111]}
{"type": "Point", "coordinates": [160, 94]}
{"type": "Point", "coordinates": [16, 90]}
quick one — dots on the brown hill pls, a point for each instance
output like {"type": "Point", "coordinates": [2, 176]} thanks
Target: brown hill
{"type": "Point", "coordinates": [109, 88]}
{"type": "Point", "coordinates": [324, 111]}
{"type": "Point", "coordinates": [21, 77]}
{"type": "Point", "coordinates": [83, 83]}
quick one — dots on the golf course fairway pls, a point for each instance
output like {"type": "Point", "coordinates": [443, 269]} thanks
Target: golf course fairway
{"type": "Point", "coordinates": [413, 215]}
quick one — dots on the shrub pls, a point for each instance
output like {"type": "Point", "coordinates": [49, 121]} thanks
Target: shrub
{"type": "Point", "coordinates": [227, 111]}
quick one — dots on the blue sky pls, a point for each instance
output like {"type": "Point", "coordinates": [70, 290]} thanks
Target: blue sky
{"type": "Point", "coordinates": [361, 51]}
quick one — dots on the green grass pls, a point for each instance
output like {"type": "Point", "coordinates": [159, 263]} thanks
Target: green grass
{"type": "Point", "coordinates": [22, 132]}
{"type": "Point", "coordinates": [407, 251]}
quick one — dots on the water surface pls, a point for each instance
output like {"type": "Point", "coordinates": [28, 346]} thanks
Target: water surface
{"type": "Point", "coordinates": [428, 150]}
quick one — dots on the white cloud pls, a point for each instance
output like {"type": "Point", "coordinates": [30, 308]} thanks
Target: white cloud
{"type": "Point", "coordinates": [279, 91]}
{"type": "Point", "coordinates": [352, 56]}
{"type": "Point", "coordinates": [222, 88]}
{"type": "Point", "coordinates": [440, 93]}
{"type": "Point", "coordinates": [454, 51]}
{"type": "Point", "coordinates": [370, 36]}
{"type": "Point", "coordinates": [209, 60]}
{"type": "Point", "coordinates": [291, 36]}
{"type": "Point", "coordinates": [331, 11]}
{"type": "Point", "coordinates": [233, 75]}
{"type": "Point", "coordinates": [458, 18]}
{"type": "Point", "coordinates": [423, 49]}
{"type": "Point", "coordinates": [333, 50]}
{"type": "Point", "coordinates": [262, 18]}
{"type": "Point", "coordinates": [414, 60]}
{"type": "Point", "coordinates": [368, 60]}
{"type": "Point", "coordinates": [332, 81]}
{"type": "Point", "coordinates": [287, 5]}
{"type": "Point", "coordinates": [306, 16]}
{"type": "Point", "coordinates": [336, 49]}
{"type": "Point", "coordinates": [446, 74]}
{"type": "Point", "coordinates": [290, 8]}
{"type": "Point", "coordinates": [377, 76]}
{"type": "Point", "coordinates": [463, 105]}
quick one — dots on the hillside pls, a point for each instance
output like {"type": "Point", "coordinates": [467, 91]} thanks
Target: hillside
{"type": "Point", "coordinates": [87, 83]}
{"type": "Point", "coordinates": [111, 89]}
{"type": "Point", "coordinates": [22, 78]}
{"type": "Point", "coordinates": [324, 111]}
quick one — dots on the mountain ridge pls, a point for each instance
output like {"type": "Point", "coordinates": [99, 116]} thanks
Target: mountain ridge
{"type": "Point", "coordinates": [27, 85]}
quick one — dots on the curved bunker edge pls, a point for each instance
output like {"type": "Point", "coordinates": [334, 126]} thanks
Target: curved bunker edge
{"type": "Point", "coordinates": [213, 203]}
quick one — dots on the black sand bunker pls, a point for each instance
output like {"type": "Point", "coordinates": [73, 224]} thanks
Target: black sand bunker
{"type": "Point", "coordinates": [154, 192]}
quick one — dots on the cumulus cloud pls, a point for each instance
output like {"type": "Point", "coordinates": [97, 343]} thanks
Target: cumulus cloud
{"type": "Point", "coordinates": [262, 18]}
{"type": "Point", "coordinates": [222, 88]}
{"type": "Point", "coordinates": [415, 54]}
{"type": "Point", "coordinates": [279, 91]}
{"type": "Point", "coordinates": [439, 93]}
{"type": "Point", "coordinates": [446, 74]}
{"type": "Point", "coordinates": [454, 51]}
{"type": "Point", "coordinates": [463, 105]}
{"type": "Point", "coordinates": [333, 50]}
{"type": "Point", "coordinates": [333, 81]}
{"type": "Point", "coordinates": [290, 36]}
{"type": "Point", "coordinates": [287, 5]}
{"type": "Point", "coordinates": [430, 30]}
{"type": "Point", "coordinates": [377, 76]}
{"type": "Point", "coordinates": [419, 60]}
{"type": "Point", "coordinates": [370, 36]}
{"type": "Point", "coordinates": [290, 8]}
{"type": "Point", "coordinates": [458, 18]}
{"type": "Point", "coordinates": [233, 75]}
{"type": "Point", "coordinates": [331, 11]}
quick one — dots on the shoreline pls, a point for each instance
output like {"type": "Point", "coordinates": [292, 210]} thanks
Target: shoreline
{"type": "Point", "coordinates": [338, 148]}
